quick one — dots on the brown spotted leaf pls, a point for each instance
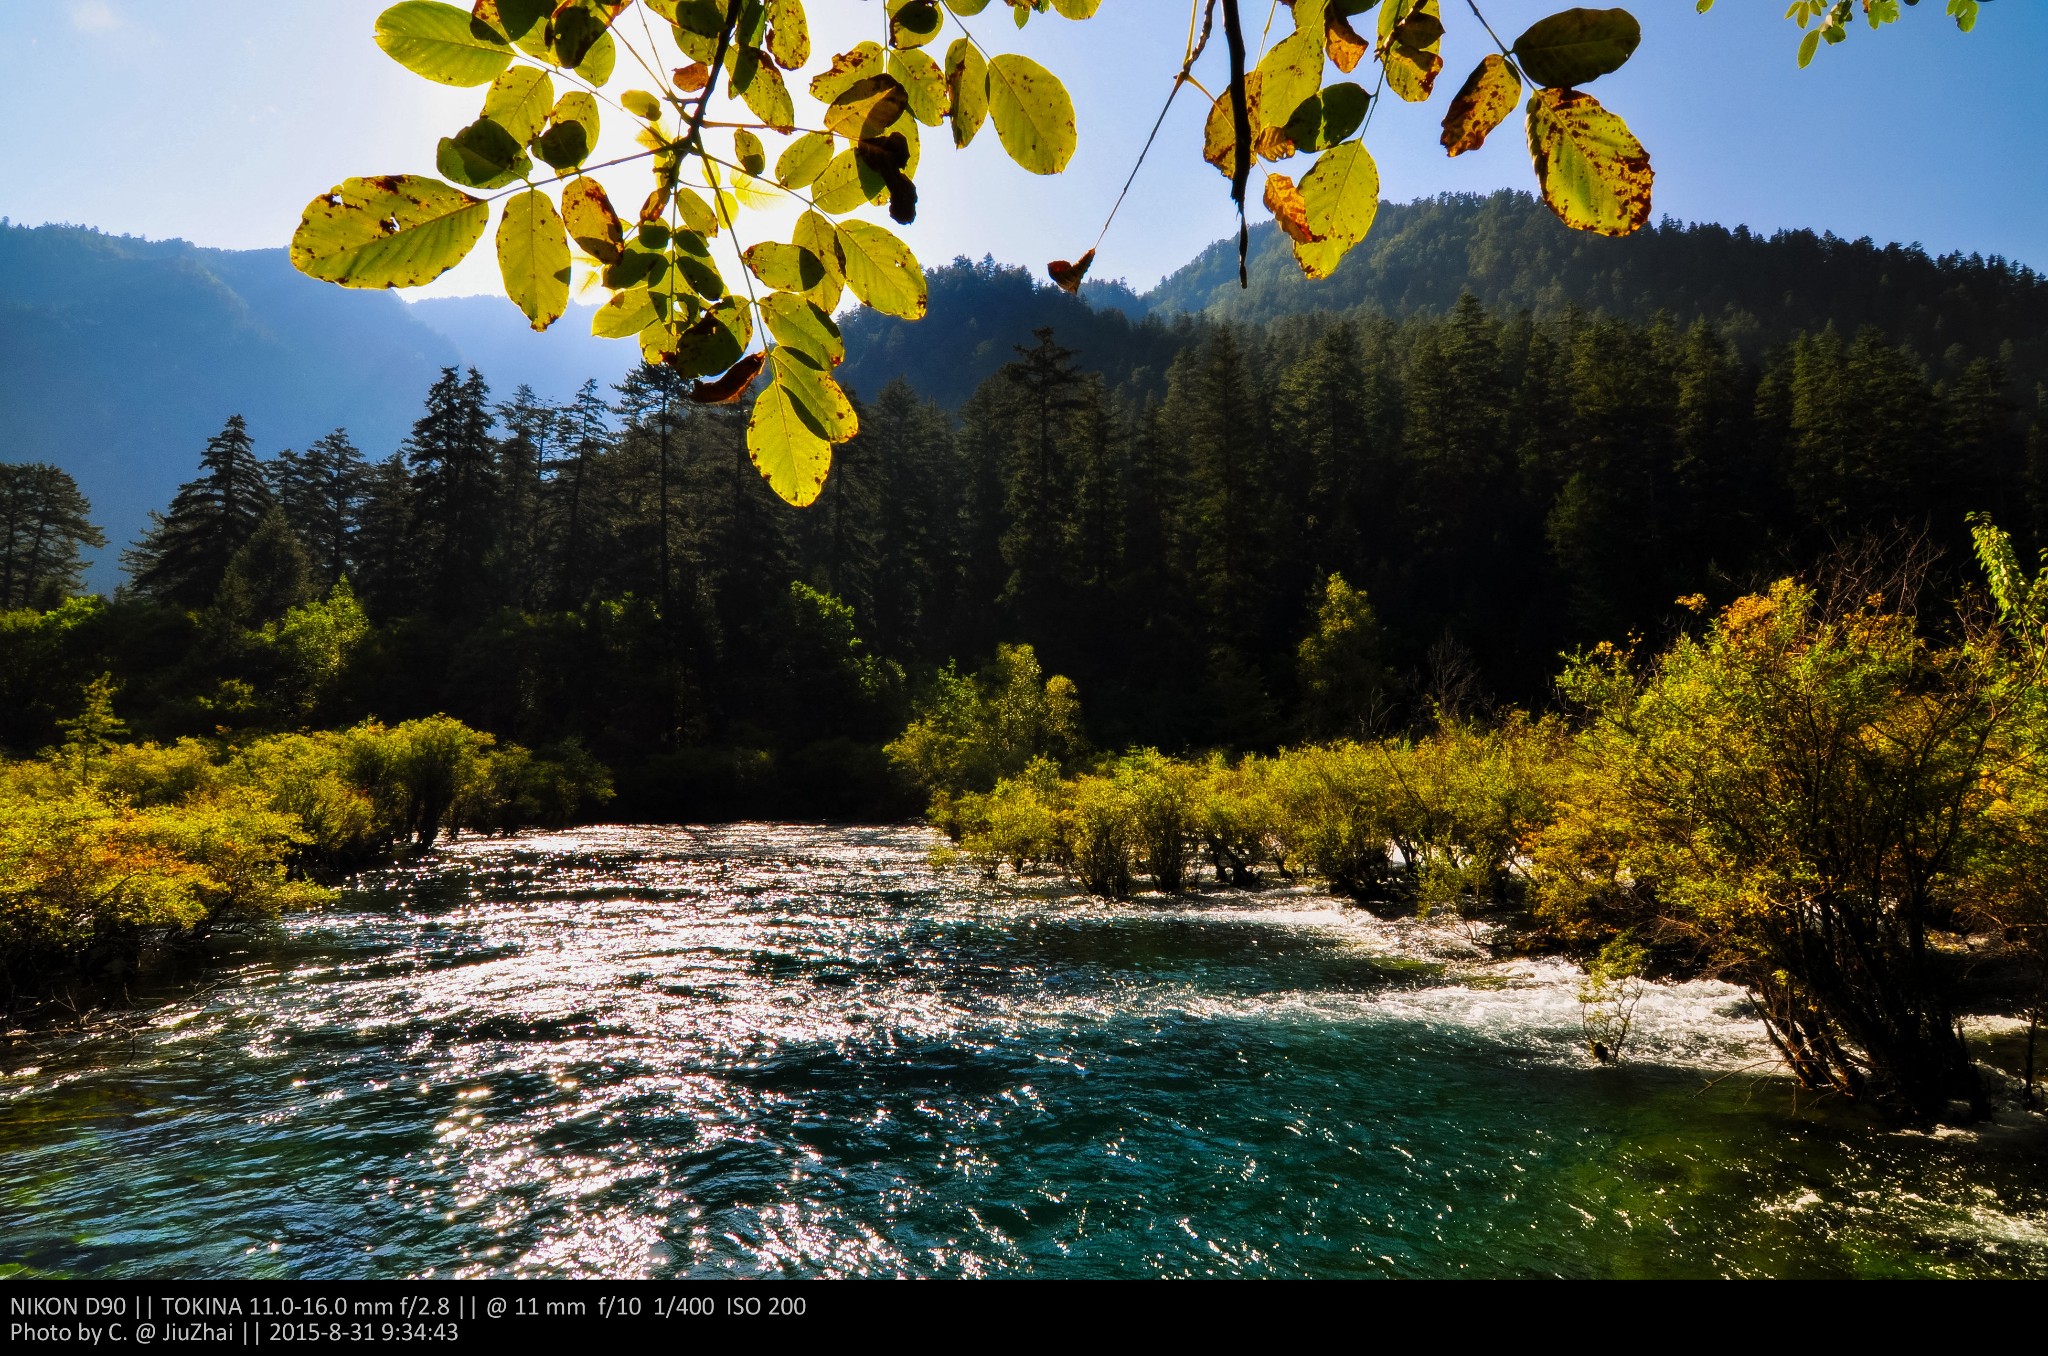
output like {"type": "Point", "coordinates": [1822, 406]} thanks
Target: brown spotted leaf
{"type": "Point", "coordinates": [1593, 172]}
{"type": "Point", "coordinates": [1488, 95]}
{"type": "Point", "coordinates": [1411, 32]}
{"type": "Point", "coordinates": [1346, 48]}
{"type": "Point", "coordinates": [592, 223]}
{"type": "Point", "coordinates": [732, 385]}
{"type": "Point", "coordinates": [1219, 132]}
{"type": "Point", "coordinates": [691, 78]}
{"type": "Point", "coordinates": [867, 107]}
{"type": "Point", "coordinates": [1288, 207]}
{"type": "Point", "coordinates": [1069, 274]}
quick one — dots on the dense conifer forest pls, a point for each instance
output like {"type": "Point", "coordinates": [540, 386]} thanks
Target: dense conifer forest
{"type": "Point", "coordinates": [1158, 513]}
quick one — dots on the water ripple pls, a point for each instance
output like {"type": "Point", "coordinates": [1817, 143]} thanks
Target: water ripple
{"type": "Point", "coordinates": [786, 1050]}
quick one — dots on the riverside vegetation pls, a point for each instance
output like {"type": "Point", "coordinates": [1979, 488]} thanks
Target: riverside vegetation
{"type": "Point", "coordinates": [1440, 505]}
{"type": "Point", "coordinates": [1811, 797]}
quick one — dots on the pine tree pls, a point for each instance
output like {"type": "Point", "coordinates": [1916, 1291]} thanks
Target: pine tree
{"type": "Point", "coordinates": [184, 555]}
{"type": "Point", "coordinates": [587, 436]}
{"type": "Point", "coordinates": [520, 557]}
{"type": "Point", "coordinates": [268, 576]}
{"type": "Point", "coordinates": [654, 403]}
{"type": "Point", "coordinates": [44, 520]}
{"type": "Point", "coordinates": [1045, 392]}
{"type": "Point", "coordinates": [389, 572]}
{"type": "Point", "coordinates": [321, 492]}
{"type": "Point", "coordinates": [453, 462]}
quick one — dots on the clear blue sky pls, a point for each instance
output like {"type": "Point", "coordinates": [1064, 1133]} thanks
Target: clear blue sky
{"type": "Point", "coordinates": [216, 120]}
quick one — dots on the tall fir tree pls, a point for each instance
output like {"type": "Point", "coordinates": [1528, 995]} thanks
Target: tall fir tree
{"type": "Point", "coordinates": [454, 466]}
{"type": "Point", "coordinates": [321, 492]}
{"type": "Point", "coordinates": [184, 555]}
{"type": "Point", "coordinates": [44, 523]}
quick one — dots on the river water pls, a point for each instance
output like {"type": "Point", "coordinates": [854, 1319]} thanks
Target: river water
{"type": "Point", "coordinates": [799, 1051]}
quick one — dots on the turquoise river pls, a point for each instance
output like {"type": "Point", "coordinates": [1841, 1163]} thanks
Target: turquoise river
{"type": "Point", "coordinates": [796, 1051]}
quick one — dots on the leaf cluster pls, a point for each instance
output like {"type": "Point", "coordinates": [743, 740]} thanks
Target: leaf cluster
{"type": "Point", "coordinates": [763, 316]}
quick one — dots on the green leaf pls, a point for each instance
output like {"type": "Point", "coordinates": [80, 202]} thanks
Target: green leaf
{"type": "Point", "coordinates": [762, 89]}
{"type": "Point", "coordinates": [715, 342]}
{"type": "Point", "coordinates": [397, 230]}
{"type": "Point", "coordinates": [966, 89]}
{"type": "Point", "coordinates": [577, 26]}
{"type": "Point", "coordinates": [823, 405]}
{"type": "Point", "coordinates": [695, 212]}
{"type": "Point", "coordinates": [1340, 197]}
{"type": "Point", "coordinates": [442, 43]}
{"type": "Point", "coordinates": [519, 102]}
{"type": "Point", "coordinates": [803, 325]}
{"type": "Point", "coordinates": [1328, 117]}
{"type": "Point", "coordinates": [804, 160]}
{"type": "Point", "coordinates": [1033, 115]}
{"type": "Point", "coordinates": [692, 258]}
{"type": "Point", "coordinates": [1292, 69]}
{"type": "Point", "coordinates": [786, 268]}
{"type": "Point", "coordinates": [482, 155]}
{"type": "Point", "coordinates": [925, 84]}
{"type": "Point", "coordinates": [1593, 172]}
{"type": "Point", "coordinates": [792, 458]}
{"type": "Point", "coordinates": [846, 183]}
{"type": "Point", "coordinates": [641, 104]}
{"type": "Point", "coordinates": [571, 134]}
{"type": "Point", "coordinates": [881, 270]}
{"type": "Point", "coordinates": [749, 152]}
{"type": "Point", "coordinates": [818, 235]}
{"type": "Point", "coordinates": [913, 23]}
{"type": "Point", "coordinates": [637, 266]}
{"type": "Point", "coordinates": [625, 315]}
{"type": "Point", "coordinates": [533, 255]}
{"type": "Point", "coordinates": [1577, 45]}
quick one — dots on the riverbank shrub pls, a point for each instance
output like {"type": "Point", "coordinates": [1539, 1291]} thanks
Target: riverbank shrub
{"type": "Point", "coordinates": [1796, 789]}
{"type": "Point", "coordinates": [1808, 795]}
{"type": "Point", "coordinates": [90, 882]}
{"type": "Point", "coordinates": [110, 850]}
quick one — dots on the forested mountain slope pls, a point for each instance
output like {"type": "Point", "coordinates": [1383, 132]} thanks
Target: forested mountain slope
{"type": "Point", "coordinates": [981, 312]}
{"type": "Point", "coordinates": [1511, 253]}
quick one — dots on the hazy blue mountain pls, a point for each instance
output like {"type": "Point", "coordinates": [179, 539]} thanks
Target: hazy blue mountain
{"type": "Point", "coordinates": [120, 356]}
{"type": "Point", "coordinates": [494, 338]}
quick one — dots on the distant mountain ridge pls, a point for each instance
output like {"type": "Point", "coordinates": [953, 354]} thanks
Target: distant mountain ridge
{"type": "Point", "coordinates": [120, 356]}
{"type": "Point", "coordinates": [1510, 252]}
{"type": "Point", "coordinates": [1507, 250]}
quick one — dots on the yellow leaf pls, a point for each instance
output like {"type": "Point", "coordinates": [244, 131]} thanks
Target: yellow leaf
{"type": "Point", "coordinates": [1593, 172]}
{"type": "Point", "coordinates": [533, 256]}
{"type": "Point", "coordinates": [790, 456]}
{"type": "Point", "coordinates": [1340, 197]}
{"type": "Point", "coordinates": [1487, 96]}
{"type": "Point", "coordinates": [1285, 202]}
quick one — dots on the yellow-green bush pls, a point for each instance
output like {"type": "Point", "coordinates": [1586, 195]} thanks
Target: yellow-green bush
{"type": "Point", "coordinates": [88, 880]}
